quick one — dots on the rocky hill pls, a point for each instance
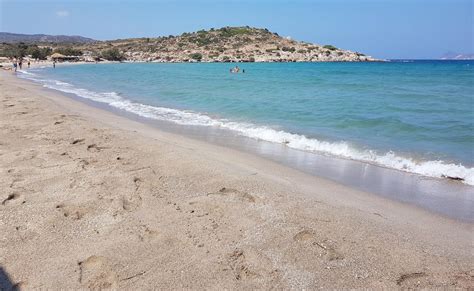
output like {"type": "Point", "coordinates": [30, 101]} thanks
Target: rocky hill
{"type": "Point", "coordinates": [6, 37]}
{"type": "Point", "coordinates": [228, 44]}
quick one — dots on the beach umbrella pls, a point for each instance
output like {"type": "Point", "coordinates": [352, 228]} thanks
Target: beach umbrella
{"type": "Point", "coordinates": [57, 56]}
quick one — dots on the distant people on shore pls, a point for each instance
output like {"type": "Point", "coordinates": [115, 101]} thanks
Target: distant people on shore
{"type": "Point", "coordinates": [20, 64]}
{"type": "Point", "coordinates": [28, 64]}
{"type": "Point", "coordinates": [14, 65]}
{"type": "Point", "coordinates": [54, 64]}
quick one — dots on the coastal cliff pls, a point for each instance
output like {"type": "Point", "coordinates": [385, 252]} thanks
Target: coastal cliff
{"type": "Point", "coordinates": [227, 44]}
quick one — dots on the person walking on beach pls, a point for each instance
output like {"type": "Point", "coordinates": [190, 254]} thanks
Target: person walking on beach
{"type": "Point", "coordinates": [20, 63]}
{"type": "Point", "coordinates": [54, 64]}
{"type": "Point", "coordinates": [14, 65]}
{"type": "Point", "coordinates": [28, 64]}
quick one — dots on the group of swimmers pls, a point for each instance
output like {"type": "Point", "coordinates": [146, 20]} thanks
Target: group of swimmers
{"type": "Point", "coordinates": [236, 70]}
{"type": "Point", "coordinates": [18, 64]}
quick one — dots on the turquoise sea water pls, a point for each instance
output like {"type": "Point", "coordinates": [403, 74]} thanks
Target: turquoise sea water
{"type": "Point", "coordinates": [413, 116]}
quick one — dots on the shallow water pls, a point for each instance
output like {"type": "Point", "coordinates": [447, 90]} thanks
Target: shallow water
{"type": "Point", "coordinates": [412, 116]}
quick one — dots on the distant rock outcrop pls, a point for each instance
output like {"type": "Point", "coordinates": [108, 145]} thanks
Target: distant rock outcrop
{"type": "Point", "coordinates": [6, 37]}
{"type": "Point", "coordinates": [457, 56]}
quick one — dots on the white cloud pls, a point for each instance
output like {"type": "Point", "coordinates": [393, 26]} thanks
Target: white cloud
{"type": "Point", "coordinates": [62, 13]}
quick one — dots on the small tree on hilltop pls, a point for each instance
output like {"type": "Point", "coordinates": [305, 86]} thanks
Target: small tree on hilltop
{"type": "Point", "coordinates": [330, 47]}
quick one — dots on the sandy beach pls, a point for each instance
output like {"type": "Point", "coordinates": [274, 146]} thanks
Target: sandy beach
{"type": "Point", "coordinates": [89, 199]}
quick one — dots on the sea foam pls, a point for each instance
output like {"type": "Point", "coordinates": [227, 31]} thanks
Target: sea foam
{"type": "Point", "coordinates": [342, 149]}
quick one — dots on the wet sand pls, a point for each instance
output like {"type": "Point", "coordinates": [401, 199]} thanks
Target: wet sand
{"type": "Point", "coordinates": [90, 199]}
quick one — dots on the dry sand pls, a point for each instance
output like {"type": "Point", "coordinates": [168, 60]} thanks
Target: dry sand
{"type": "Point", "coordinates": [89, 199]}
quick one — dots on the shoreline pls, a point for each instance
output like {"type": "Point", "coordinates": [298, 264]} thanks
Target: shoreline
{"type": "Point", "coordinates": [440, 195]}
{"type": "Point", "coordinates": [107, 199]}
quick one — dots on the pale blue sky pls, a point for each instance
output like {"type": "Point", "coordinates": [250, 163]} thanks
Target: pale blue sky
{"type": "Point", "coordinates": [381, 28]}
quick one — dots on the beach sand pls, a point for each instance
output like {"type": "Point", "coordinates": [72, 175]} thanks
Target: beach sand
{"type": "Point", "coordinates": [89, 199]}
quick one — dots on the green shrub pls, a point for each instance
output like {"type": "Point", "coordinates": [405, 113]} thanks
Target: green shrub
{"type": "Point", "coordinates": [231, 31]}
{"type": "Point", "coordinates": [330, 47]}
{"type": "Point", "coordinates": [41, 53]}
{"type": "Point", "coordinates": [21, 50]}
{"type": "Point", "coordinates": [288, 49]}
{"type": "Point", "coordinates": [196, 56]}
{"type": "Point", "coordinates": [14, 50]}
{"type": "Point", "coordinates": [68, 51]}
{"type": "Point", "coordinates": [203, 41]}
{"type": "Point", "coordinates": [112, 55]}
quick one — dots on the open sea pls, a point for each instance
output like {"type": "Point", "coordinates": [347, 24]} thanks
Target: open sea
{"type": "Point", "coordinates": [411, 116]}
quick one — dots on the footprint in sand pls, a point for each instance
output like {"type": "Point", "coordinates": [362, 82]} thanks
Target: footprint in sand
{"type": "Point", "coordinates": [238, 264]}
{"type": "Point", "coordinates": [78, 141]}
{"type": "Point", "coordinates": [408, 278]}
{"type": "Point", "coordinates": [94, 148]}
{"type": "Point", "coordinates": [304, 235]}
{"type": "Point", "coordinates": [95, 273]}
{"type": "Point", "coordinates": [309, 236]}
{"type": "Point", "coordinates": [73, 212]}
{"type": "Point", "coordinates": [131, 204]}
{"type": "Point", "coordinates": [137, 182]}
{"type": "Point", "coordinates": [133, 201]}
{"type": "Point", "coordinates": [13, 198]}
{"type": "Point", "coordinates": [235, 194]}
{"type": "Point", "coordinates": [16, 179]}
{"type": "Point", "coordinates": [250, 264]}
{"type": "Point", "coordinates": [146, 234]}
